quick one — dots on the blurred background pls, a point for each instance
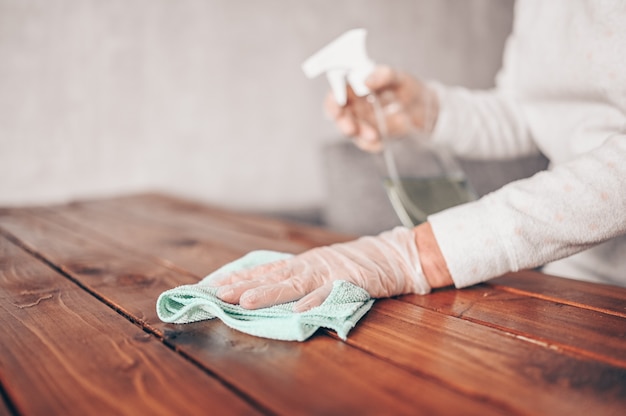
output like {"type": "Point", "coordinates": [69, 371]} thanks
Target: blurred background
{"type": "Point", "coordinates": [205, 99]}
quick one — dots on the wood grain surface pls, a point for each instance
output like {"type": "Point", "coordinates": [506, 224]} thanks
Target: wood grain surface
{"type": "Point", "coordinates": [67, 353]}
{"type": "Point", "coordinates": [80, 282]}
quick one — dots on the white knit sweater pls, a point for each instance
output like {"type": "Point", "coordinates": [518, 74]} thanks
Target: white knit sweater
{"type": "Point", "coordinates": [561, 91]}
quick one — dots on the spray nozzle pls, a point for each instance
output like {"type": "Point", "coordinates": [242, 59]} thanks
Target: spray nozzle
{"type": "Point", "coordinates": [344, 60]}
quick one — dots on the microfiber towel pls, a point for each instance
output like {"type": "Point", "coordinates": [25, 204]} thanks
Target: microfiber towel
{"type": "Point", "coordinates": [340, 312]}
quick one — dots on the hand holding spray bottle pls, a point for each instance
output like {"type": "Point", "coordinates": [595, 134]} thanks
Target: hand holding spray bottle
{"type": "Point", "coordinates": [420, 178]}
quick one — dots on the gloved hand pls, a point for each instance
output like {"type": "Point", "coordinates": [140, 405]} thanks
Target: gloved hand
{"type": "Point", "coordinates": [385, 265]}
{"type": "Point", "coordinates": [407, 104]}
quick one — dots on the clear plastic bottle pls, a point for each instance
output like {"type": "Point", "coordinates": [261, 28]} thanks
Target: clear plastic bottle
{"type": "Point", "coordinates": [420, 178]}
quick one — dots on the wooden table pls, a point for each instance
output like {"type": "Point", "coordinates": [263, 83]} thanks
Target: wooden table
{"type": "Point", "coordinates": [78, 285]}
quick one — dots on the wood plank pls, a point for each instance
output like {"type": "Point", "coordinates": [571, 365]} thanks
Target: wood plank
{"type": "Point", "coordinates": [321, 376]}
{"type": "Point", "coordinates": [64, 352]}
{"type": "Point", "coordinates": [212, 217]}
{"type": "Point", "coordinates": [480, 361]}
{"type": "Point", "coordinates": [602, 298]}
{"type": "Point", "coordinates": [123, 277]}
{"type": "Point", "coordinates": [488, 363]}
{"type": "Point", "coordinates": [215, 243]}
{"type": "Point", "coordinates": [342, 380]}
{"type": "Point", "coordinates": [165, 245]}
{"type": "Point", "coordinates": [203, 243]}
{"type": "Point", "coordinates": [556, 325]}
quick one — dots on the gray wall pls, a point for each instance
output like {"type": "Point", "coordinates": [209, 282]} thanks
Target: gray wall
{"type": "Point", "coordinates": [203, 98]}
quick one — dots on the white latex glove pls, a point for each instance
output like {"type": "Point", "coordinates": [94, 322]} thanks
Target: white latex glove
{"type": "Point", "coordinates": [407, 104]}
{"type": "Point", "coordinates": [385, 265]}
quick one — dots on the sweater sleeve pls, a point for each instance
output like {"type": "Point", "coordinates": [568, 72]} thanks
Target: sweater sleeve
{"type": "Point", "coordinates": [486, 124]}
{"type": "Point", "coordinates": [481, 124]}
{"type": "Point", "coordinates": [530, 222]}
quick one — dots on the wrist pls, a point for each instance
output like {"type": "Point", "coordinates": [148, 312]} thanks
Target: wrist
{"type": "Point", "coordinates": [431, 258]}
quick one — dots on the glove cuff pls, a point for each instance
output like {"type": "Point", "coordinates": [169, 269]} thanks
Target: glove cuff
{"type": "Point", "coordinates": [403, 240]}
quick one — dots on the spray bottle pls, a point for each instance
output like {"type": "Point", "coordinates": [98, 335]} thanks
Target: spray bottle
{"type": "Point", "coordinates": [420, 178]}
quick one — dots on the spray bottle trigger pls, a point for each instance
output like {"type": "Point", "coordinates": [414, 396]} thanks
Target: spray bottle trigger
{"type": "Point", "coordinates": [337, 81]}
{"type": "Point", "coordinates": [345, 61]}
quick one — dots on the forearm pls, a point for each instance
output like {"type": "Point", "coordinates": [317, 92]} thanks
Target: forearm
{"type": "Point", "coordinates": [431, 259]}
{"type": "Point", "coordinates": [537, 220]}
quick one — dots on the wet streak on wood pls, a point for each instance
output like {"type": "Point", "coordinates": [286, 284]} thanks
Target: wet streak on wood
{"type": "Point", "coordinates": [6, 406]}
{"type": "Point", "coordinates": [496, 359]}
{"type": "Point", "coordinates": [488, 363]}
{"type": "Point", "coordinates": [555, 325]}
{"type": "Point", "coordinates": [284, 377]}
{"type": "Point", "coordinates": [345, 380]}
{"type": "Point", "coordinates": [66, 353]}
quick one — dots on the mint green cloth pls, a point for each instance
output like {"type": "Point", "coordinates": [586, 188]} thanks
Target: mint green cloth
{"type": "Point", "coordinates": [340, 312]}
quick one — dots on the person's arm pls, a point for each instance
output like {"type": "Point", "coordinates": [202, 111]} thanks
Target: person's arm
{"type": "Point", "coordinates": [479, 124]}
{"type": "Point", "coordinates": [432, 261]}
{"type": "Point", "coordinates": [525, 224]}
{"type": "Point", "coordinates": [384, 265]}
{"type": "Point", "coordinates": [533, 221]}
